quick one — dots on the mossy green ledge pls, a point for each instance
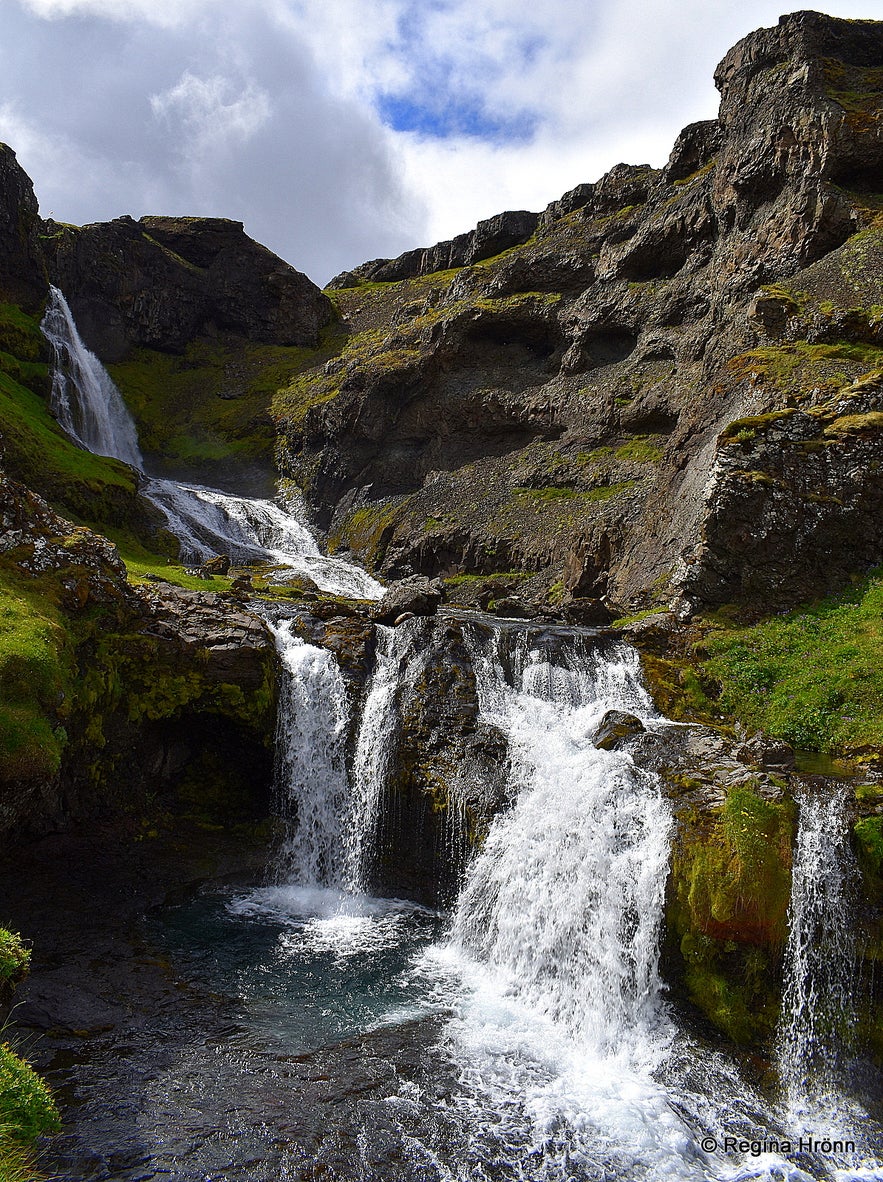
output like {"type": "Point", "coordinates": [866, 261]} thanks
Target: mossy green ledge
{"type": "Point", "coordinates": [114, 696]}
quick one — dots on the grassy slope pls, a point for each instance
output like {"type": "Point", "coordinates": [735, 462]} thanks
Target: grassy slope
{"type": "Point", "coordinates": [813, 677]}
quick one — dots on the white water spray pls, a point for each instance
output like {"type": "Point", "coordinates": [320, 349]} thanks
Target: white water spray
{"type": "Point", "coordinates": [84, 399]}
{"type": "Point", "coordinates": [565, 899]}
{"type": "Point", "coordinates": [207, 522]}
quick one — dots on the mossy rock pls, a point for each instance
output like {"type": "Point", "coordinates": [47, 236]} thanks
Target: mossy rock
{"type": "Point", "coordinates": [728, 902]}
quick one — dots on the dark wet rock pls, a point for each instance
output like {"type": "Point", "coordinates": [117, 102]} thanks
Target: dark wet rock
{"type": "Point", "coordinates": [416, 596]}
{"type": "Point", "coordinates": [230, 645]}
{"type": "Point", "coordinates": [772, 755]}
{"type": "Point", "coordinates": [512, 608]}
{"type": "Point", "coordinates": [587, 613]}
{"type": "Point", "coordinates": [615, 726]}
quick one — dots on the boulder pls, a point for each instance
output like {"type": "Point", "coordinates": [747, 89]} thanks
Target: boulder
{"type": "Point", "coordinates": [219, 565]}
{"type": "Point", "coordinates": [615, 726]}
{"type": "Point", "coordinates": [417, 596]}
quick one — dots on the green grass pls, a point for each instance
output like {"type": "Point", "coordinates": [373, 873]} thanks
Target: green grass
{"type": "Point", "coordinates": [14, 960]}
{"type": "Point", "coordinates": [35, 664]}
{"type": "Point", "coordinates": [18, 1163]}
{"type": "Point", "coordinates": [26, 1106]}
{"type": "Point", "coordinates": [813, 677]}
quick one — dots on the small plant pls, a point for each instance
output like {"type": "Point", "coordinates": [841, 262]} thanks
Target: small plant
{"type": "Point", "coordinates": [27, 1109]}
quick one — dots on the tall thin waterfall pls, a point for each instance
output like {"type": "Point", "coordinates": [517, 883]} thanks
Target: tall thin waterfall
{"type": "Point", "coordinates": [311, 776]}
{"type": "Point", "coordinates": [206, 521]}
{"type": "Point", "coordinates": [84, 399]}
{"type": "Point", "coordinates": [565, 898]}
{"type": "Point", "coordinates": [820, 957]}
{"type": "Point", "coordinates": [335, 812]}
{"type": "Point", "coordinates": [395, 664]}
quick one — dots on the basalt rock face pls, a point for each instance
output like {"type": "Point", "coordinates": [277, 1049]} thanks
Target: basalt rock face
{"type": "Point", "coordinates": [565, 409]}
{"type": "Point", "coordinates": [161, 282]}
{"type": "Point", "coordinates": [22, 271]}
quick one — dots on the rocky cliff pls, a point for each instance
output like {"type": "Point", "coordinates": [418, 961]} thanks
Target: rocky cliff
{"type": "Point", "coordinates": [589, 407]}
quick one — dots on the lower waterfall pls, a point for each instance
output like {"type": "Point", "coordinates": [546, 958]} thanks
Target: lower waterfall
{"type": "Point", "coordinates": [312, 785]}
{"type": "Point", "coordinates": [818, 1002]}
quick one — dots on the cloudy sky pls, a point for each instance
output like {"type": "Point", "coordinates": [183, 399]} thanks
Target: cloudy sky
{"type": "Point", "coordinates": [342, 130]}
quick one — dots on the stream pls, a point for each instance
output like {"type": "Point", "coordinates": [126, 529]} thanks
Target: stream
{"type": "Point", "coordinates": [276, 1021]}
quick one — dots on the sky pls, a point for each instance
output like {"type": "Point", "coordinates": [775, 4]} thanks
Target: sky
{"type": "Point", "coordinates": [345, 130]}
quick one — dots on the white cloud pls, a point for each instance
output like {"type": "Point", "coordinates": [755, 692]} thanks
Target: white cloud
{"type": "Point", "coordinates": [213, 111]}
{"type": "Point", "coordinates": [164, 13]}
{"type": "Point", "coordinates": [271, 111]}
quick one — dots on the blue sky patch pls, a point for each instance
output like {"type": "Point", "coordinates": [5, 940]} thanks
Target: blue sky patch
{"type": "Point", "coordinates": [463, 115]}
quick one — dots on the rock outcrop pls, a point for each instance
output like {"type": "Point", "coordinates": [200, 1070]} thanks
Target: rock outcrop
{"type": "Point", "coordinates": [566, 410]}
{"type": "Point", "coordinates": [111, 694]}
{"type": "Point", "coordinates": [162, 282]}
{"type": "Point", "coordinates": [22, 269]}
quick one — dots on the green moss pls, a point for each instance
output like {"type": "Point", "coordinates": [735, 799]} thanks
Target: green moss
{"type": "Point", "coordinates": [796, 367]}
{"type": "Point", "coordinates": [813, 677]}
{"type": "Point", "coordinates": [869, 841]}
{"type": "Point", "coordinates": [35, 673]}
{"type": "Point", "coordinates": [731, 986]}
{"type": "Point", "coordinates": [602, 492]}
{"type": "Point", "coordinates": [734, 881]}
{"type": "Point", "coordinates": [14, 961]}
{"type": "Point", "coordinates": [642, 449]}
{"type": "Point", "coordinates": [367, 531]}
{"type": "Point", "coordinates": [743, 430]}
{"type": "Point", "coordinates": [729, 892]}
{"type": "Point", "coordinates": [212, 403]}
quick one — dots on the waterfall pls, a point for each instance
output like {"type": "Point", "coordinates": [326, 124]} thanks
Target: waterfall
{"type": "Point", "coordinates": [395, 666]}
{"type": "Point", "coordinates": [311, 777]}
{"type": "Point", "coordinates": [565, 899]}
{"type": "Point", "coordinates": [818, 1005]}
{"type": "Point", "coordinates": [84, 399]}
{"type": "Point", "coordinates": [206, 521]}
{"type": "Point", "coordinates": [334, 814]}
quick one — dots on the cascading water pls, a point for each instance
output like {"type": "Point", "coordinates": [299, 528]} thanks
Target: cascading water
{"type": "Point", "coordinates": [206, 521]}
{"type": "Point", "coordinates": [312, 783]}
{"type": "Point", "coordinates": [565, 898]}
{"type": "Point", "coordinates": [571, 1063]}
{"type": "Point", "coordinates": [84, 399]}
{"type": "Point", "coordinates": [396, 662]}
{"type": "Point", "coordinates": [818, 1002]}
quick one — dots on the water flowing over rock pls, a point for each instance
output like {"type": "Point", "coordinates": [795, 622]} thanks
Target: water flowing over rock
{"type": "Point", "coordinates": [84, 399]}
{"type": "Point", "coordinates": [312, 784]}
{"type": "Point", "coordinates": [565, 898]}
{"type": "Point", "coordinates": [819, 1003]}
